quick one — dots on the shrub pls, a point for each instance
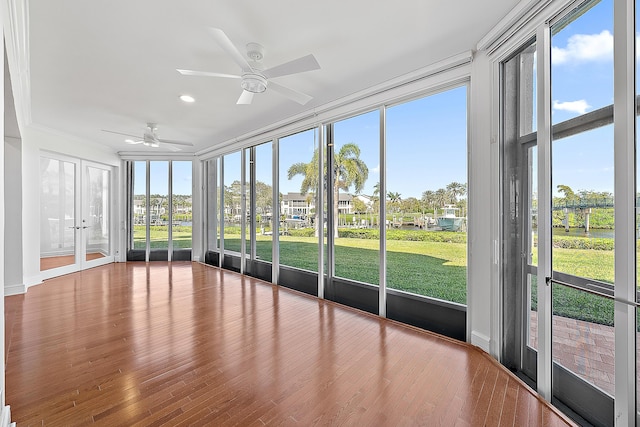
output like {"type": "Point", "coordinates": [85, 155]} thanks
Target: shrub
{"type": "Point", "coordinates": [571, 242]}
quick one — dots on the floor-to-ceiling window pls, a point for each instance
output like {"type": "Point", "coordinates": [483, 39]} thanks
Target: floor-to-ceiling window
{"type": "Point", "coordinates": [426, 199]}
{"type": "Point", "coordinates": [139, 209]}
{"type": "Point", "coordinates": [160, 215]}
{"type": "Point", "coordinates": [356, 201]}
{"type": "Point", "coordinates": [298, 182]}
{"type": "Point", "coordinates": [264, 207]}
{"type": "Point", "coordinates": [582, 180]}
{"type": "Point", "coordinates": [181, 209]}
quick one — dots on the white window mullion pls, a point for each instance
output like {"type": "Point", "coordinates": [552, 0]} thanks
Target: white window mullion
{"type": "Point", "coordinates": [275, 215]}
{"type": "Point", "coordinates": [624, 111]}
{"type": "Point", "coordinates": [382, 289]}
{"type": "Point", "coordinates": [320, 209]}
{"type": "Point", "coordinates": [243, 210]}
{"type": "Point", "coordinates": [543, 41]}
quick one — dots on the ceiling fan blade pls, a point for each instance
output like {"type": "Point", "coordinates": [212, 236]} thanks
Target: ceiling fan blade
{"type": "Point", "coordinates": [172, 148]}
{"type": "Point", "coordinates": [225, 43]}
{"type": "Point", "coordinates": [294, 95]}
{"type": "Point", "coordinates": [130, 142]}
{"type": "Point", "coordinates": [245, 98]}
{"type": "Point", "coordinates": [300, 65]}
{"type": "Point", "coordinates": [171, 141]}
{"type": "Point", "coordinates": [206, 74]}
{"type": "Point", "coordinates": [120, 133]}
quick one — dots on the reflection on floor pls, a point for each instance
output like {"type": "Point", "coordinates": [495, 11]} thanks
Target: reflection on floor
{"type": "Point", "coordinates": [182, 343]}
{"type": "Point", "coordinates": [60, 261]}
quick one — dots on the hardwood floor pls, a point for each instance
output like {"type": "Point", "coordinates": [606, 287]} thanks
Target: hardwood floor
{"type": "Point", "coordinates": [188, 344]}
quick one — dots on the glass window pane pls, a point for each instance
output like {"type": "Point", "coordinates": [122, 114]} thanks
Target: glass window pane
{"type": "Point", "coordinates": [232, 202]}
{"type": "Point", "coordinates": [98, 221]}
{"type": "Point", "coordinates": [527, 90]}
{"type": "Point", "coordinates": [532, 311]}
{"type": "Point", "coordinates": [582, 61]}
{"type": "Point", "coordinates": [57, 213]}
{"type": "Point", "coordinates": [583, 337]}
{"type": "Point", "coordinates": [426, 196]}
{"type": "Point", "coordinates": [182, 204]}
{"type": "Point", "coordinates": [246, 202]}
{"type": "Point", "coordinates": [212, 204]}
{"type": "Point", "coordinates": [298, 180]}
{"type": "Point", "coordinates": [264, 202]}
{"type": "Point", "coordinates": [532, 225]}
{"type": "Point", "coordinates": [159, 204]}
{"type": "Point", "coordinates": [139, 205]}
{"type": "Point", "coordinates": [583, 234]}
{"type": "Point", "coordinates": [357, 166]}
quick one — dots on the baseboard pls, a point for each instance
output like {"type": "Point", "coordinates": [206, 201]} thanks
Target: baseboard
{"type": "Point", "coordinates": [31, 281]}
{"type": "Point", "coordinates": [5, 417]}
{"type": "Point", "coordinates": [14, 289]}
{"type": "Point", "coordinates": [481, 340]}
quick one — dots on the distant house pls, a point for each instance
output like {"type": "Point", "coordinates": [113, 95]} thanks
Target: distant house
{"type": "Point", "coordinates": [304, 205]}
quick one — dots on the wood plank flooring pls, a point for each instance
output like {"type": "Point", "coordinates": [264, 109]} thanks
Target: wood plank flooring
{"type": "Point", "coordinates": [187, 344]}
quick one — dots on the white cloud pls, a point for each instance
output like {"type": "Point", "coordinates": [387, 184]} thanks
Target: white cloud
{"type": "Point", "coordinates": [376, 169]}
{"type": "Point", "coordinates": [579, 106]}
{"type": "Point", "coordinates": [584, 47]}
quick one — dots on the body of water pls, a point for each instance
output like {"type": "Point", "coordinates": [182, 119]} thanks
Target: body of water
{"type": "Point", "coordinates": [579, 232]}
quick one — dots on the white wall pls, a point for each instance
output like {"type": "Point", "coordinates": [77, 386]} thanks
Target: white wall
{"type": "Point", "coordinates": [34, 141]}
{"type": "Point", "coordinates": [13, 216]}
{"type": "Point", "coordinates": [482, 213]}
{"type": "Point", "coordinates": [2, 238]}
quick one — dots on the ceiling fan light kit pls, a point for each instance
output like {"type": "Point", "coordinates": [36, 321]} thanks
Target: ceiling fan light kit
{"type": "Point", "coordinates": [253, 82]}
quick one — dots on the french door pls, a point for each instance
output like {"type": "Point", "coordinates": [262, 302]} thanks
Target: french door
{"type": "Point", "coordinates": [76, 211]}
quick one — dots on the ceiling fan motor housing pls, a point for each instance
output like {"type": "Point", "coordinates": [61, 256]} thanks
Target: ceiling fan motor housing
{"type": "Point", "coordinates": [255, 51]}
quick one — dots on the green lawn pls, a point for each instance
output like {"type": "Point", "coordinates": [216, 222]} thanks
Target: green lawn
{"type": "Point", "coordinates": [159, 237]}
{"type": "Point", "coordinates": [425, 268]}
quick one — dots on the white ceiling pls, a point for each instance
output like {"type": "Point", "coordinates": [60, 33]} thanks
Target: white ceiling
{"type": "Point", "coordinates": [112, 64]}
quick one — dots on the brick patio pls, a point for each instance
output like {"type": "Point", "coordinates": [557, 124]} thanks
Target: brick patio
{"type": "Point", "coordinates": [585, 348]}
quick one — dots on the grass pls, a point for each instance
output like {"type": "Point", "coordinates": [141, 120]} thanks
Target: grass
{"type": "Point", "coordinates": [567, 302]}
{"type": "Point", "coordinates": [424, 268]}
{"type": "Point", "coordinates": [159, 237]}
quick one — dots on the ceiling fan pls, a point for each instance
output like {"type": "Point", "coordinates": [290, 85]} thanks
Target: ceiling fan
{"type": "Point", "coordinates": [253, 78]}
{"type": "Point", "coordinates": [150, 138]}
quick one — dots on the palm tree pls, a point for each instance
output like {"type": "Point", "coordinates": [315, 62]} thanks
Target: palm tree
{"type": "Point", "coordinates": [428, 198]}
{"type": "Point", "coordinates": [441, 197]}
{"type": "Point", "coordinates": [348, 171]}
{"type": "Point", "coordinates": [456, 189]}
{"type": "Point", "coordinates": [394, 198]}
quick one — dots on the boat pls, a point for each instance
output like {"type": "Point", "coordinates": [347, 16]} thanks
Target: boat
{"type": "Point", "coordinates": [449, 221]}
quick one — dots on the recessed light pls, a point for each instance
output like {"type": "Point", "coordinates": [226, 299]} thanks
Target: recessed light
{"type": "Point", "coordinates": [187, 98]}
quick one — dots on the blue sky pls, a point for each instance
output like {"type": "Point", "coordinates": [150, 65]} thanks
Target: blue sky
{"type": "Point", "coordinates": [160, 177]}
{"type": "Point", "coordinates": [582, 81]}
